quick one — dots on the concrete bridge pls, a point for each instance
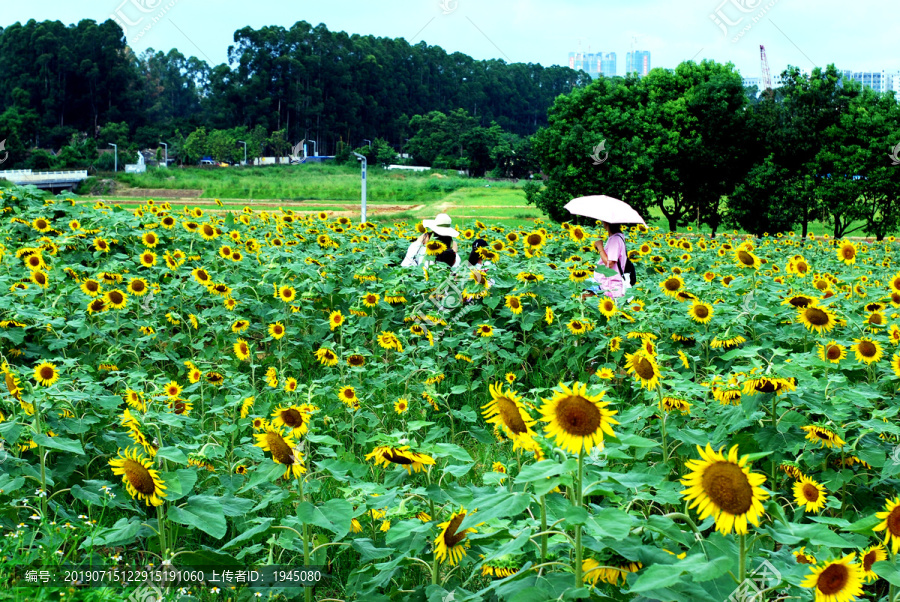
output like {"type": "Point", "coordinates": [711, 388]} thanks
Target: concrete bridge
{"type": "Point", "coordinates": [48, 180]}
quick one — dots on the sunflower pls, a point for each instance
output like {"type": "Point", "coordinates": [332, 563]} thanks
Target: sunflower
{"type": "Point", "coordinates": [817, 319]}
{"type": "Point", "coordinates": [451, 544]}
{"type": "Point", "coordinates": [214, 378]}
{"type": "Point", "coordinates": [870, 556]}
{"type": "Point", "coordinates": [91, 287]}
{"type": "Point", "coordinates": [514, 303]}
{"type": "Point", "coordinates": [822, 436]}
{"type": "Point", "coordinates": [832, 352]}
{"type": "Point", "coordinates": [607, 307]}
{"type": "Point", "coordinates": [295, 418]}
{"type": "Point", "coordinates": [846, 252]}
{"type": "Point", "coordinates": [672, 285]}
{"type": "Point", "coordinates": [577, 327]}
{"type": "Point", "coordinates": [670, 404]}
{"type": "Point", "coordinates": [800, 301]}
{"type": "Point", "coordinates": [837, 580]}
{"type": "Point", "coordinates": [46, 374]}
{"type": "Point", "coordinates": [141, 481]}
{"type": "Point", "coordinates": [97, 306]}
{"type": "Point", "coordinates": [577, 420]}
{"type": "Point", "coordinates": [809, 494]}
{"type": "Point", "coordinates": [802, 557]}
{"type": "Point", "coordinates": [745, 258]}
{"type": "Point", "coordinates": [867, 351]}
{"type": "Point", "coordinates": [765, 384]}
{"type": "Point", "coordinates": [282, 449]}
{"type": "Point", "coordinates": [579, 275]}
{"type": "Point", "coordinates": [700, 312]}
{"type": "Point", "coordinates": [548, 315]}
{"type": "Point", "coordinates": [890, 524]}
{"type": "Point", "coordinates": [242, 350]}
{"type": "Point", "coordinates": [115, 299]}
{"type": "Point", "coordinates": [615, 344]}
{"type": "Point", "coordinates": [644, 367]}
{"type": "Point", "coordinates": [327, 357]}
{"type": "Point", "coordinates": [370, 300]}
{"type": "Point", "coordinates": [336, 319]}
{"type": "Point", "coordinates": [240, 325]}
{"type": "Point", "coordinates": [401, 405]}
{"type": "Point", "coordinates": [388, 340]}
{"type": "Point", "coordinates": [728, 343]}
{"type": "Point", "coordinates": [348, 396]}
{"type": "Point", "coordinates": [290, 384]}
{"type": "Point", "coordinates": [485, 330]}
{"type": "Point", "coordinates": [287, 294]}
{"type": "Point", "coordinates": [356, 360]}
{"type": "Point", "coordinates": [385, 455]}
{"type": "Point", "coordinates": [527, 277]}
{"type": "Point", "coordinates": [435, 247]}
{"type": "Point", "coordinates": [506, 411]}
{"type": "Point", "coordinates": [276, 330]}
{"type": "Point", "coordinates": [724, 488]}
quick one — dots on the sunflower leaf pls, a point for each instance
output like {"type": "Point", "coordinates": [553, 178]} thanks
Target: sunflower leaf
{"type": "Point", "coordinates": [888, 571]}
{"type": "Point", "coordinates": [203, 512]}
{"type": "Point", "coordinates": [61, 443]}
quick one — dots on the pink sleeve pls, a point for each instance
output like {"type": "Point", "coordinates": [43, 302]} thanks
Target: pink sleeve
{"type": "Point", "coordinates": [615, 248]}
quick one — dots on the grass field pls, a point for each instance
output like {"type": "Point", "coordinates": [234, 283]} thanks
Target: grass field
{"type": "Point", "coordinates": [335, 189]}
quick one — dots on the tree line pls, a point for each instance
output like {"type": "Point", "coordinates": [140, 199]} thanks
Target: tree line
{"type": "Point", "coordinates": [75, 86]}
{"type": "Point", "coordinates": [697, 146]}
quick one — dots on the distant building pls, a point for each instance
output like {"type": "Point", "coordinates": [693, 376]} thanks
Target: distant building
{"type": "Point", "coordinates": [895, 83]}
{"type": "Point", "coordinates": [749, 82]}
{"type": "Point", "coordinates": [638, 61]}
{"type": "Point", "coordinates": [880, 81]}
{"type": "Point", "coordinates": [595, 64]}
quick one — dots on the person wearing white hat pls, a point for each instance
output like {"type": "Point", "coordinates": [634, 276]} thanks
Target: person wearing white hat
{"type": "Point", "coordinates": [438, 228]}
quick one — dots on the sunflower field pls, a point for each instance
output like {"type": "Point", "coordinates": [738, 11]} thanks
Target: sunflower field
{"type": "Point", "coordinates": [267, 388]}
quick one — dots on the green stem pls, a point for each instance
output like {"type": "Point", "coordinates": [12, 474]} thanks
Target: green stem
{"type": "Point", "coordinates": [742, 559]}
{"type": "Point", "coordinates": [543, 529]}
{"type": "Point", "coordinates": [579, 502]}
{"type": "Point", "coordinates": [161, 528]}
{"type": "Point", "coordinates": [307, 591]}
{"type": "Point", "coordinates": [662, 422]}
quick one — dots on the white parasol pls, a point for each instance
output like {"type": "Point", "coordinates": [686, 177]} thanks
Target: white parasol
{"type": "Point", "coordinates": [604, 208]}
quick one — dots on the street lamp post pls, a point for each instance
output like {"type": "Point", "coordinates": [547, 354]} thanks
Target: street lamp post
{"type": "Point", "coordinates": [364, 166]}
{"type": "Point", "coordinates": [245, 151]}
{"type": "Point", "coordinates": [166, 163]}
{"type": "Point", "coordinates": [369, 141]}
{"type": "Point", "coordinates": [116, 164]}
{"type": "Point", "coordinates": [315, 148]}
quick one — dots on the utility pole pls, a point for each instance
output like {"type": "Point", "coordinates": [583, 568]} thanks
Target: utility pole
{"type": "Point", "coordinates": [115, 146]}
{"type": "Point", "coordinates": [364, 166]}
{"type": "Point", "coordinates": [166, 163]}
{"type": "Point", "coordinates": [245, 151]}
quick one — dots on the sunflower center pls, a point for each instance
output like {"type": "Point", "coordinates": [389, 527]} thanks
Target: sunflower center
{"type": "Point", "coordinates": [869, 560]}
{"type": "Point", "coordinates": [801, 302]}
{"type": "Point", "coordinates": [876, 319]}
{"type": "Point", "coordinates": [281, 451]}
{"type": "Point", "coordinates": [672, 285]}
{"type": "Point", "coordinates": [137, 286]}
{"type": "Point", "coordinates": [643, 368]}
{"type": "Point", "coordinates": [833, 579]}
{"type": "Point", "coordinates": [451, 537]}
{"type": "Point", "coordinates": [766, 386]}
{"type": "Point", "coordinates": [833, 352]}
{"type": "Point", "coordinates": [514, 303]}
{"type": "Point", "coordinates": [893, 521]}
{"type": "Point", "coordinates": [509, 413]}
{"type": "Point", "coordinates": [745, 258]}
{"type": "Point", "coordinates": [92, 286]}
{"type": "Point", "coordinates": [728, 487]}
{"type": "Point", "coordinates": [139, 477]}
{"type": "Point", "coordinates": [848, 252]}
{"type": "Point", "coordinates": [46, 373]}
{"type": "Point", "coordinates": [397, 458]}
{"type": "Point", "coordinates": [578, 416]}
{"type": "Point", "coordinates": [867, 349]}
{"type": "Point", "coordinates": [701, 312]}
{"type": "Point", "coordinates": [810, 492]}
{"type": "Point", "coordinates": [816, 316]}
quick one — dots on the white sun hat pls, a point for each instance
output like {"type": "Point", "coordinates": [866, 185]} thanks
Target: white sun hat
{"type": "Point", "coordinates": [440, 225]}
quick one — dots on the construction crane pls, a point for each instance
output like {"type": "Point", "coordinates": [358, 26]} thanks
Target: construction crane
{"type": "Point", "coordinates": [766, 74]}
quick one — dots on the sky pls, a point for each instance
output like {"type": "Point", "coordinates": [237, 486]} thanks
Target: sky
{"type": "Point", "coordinates": [862, 36]}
